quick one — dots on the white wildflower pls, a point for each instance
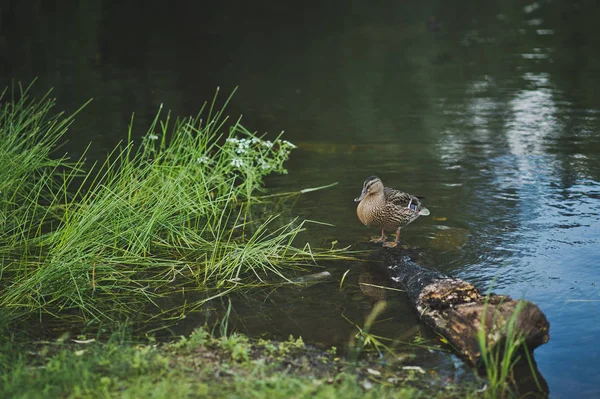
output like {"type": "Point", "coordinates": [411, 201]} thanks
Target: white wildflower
{"type": "Point", "coordinates": [264, 164]}
{"type": "Point", "coordinates": [243, 145]}
{"type": "Point", "coordinates": [236, 162]}
{"type": "Point", "coordinates": [267, 144]}
{"type": "Point", "coordinates": [203, 160]}
{"type": "Point", "coordinates": [287, 143]}
{"type": "Point", "coordinates": [152, 137]}
{"type": "Point", "coordinates": [232, 140]}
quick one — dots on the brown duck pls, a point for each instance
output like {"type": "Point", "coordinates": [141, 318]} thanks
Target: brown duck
{"type": "Point", "coordinates": [387, 209]}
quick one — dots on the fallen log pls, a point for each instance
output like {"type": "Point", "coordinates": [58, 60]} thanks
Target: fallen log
{"type": "Point", "coordinates": [458, 311]}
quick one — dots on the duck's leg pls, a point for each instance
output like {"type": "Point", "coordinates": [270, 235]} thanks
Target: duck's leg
{"type": "Point", "coordinates": [393, 244]}
{"type": "Point", "coordinates": [379, 239]}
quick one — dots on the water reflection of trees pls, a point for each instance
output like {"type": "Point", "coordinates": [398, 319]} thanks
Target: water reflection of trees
{"type": "Point", "coordinates": [347, 71]}
{"type": "Point", "coordinates": [542, 48]}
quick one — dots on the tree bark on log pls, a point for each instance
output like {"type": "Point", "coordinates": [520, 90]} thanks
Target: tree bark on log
{"type": "Point", "coordinates": [457, 310]}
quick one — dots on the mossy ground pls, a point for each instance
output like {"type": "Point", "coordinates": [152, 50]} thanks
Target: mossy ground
{"type": "Point", "coordinates": [203, 366]}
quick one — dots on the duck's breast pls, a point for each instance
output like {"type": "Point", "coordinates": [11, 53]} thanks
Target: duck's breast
{"type": "Point", "coordinates": [369, 213]}
{"type": "Point", "coordinates": [362, 213]}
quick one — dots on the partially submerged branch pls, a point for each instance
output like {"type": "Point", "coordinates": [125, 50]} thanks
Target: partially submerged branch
{"type": "Point", "coordinates": [458, 311]}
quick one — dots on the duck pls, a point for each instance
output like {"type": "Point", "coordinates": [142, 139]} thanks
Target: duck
{"type": "Point", "coordinates": [387, 209]}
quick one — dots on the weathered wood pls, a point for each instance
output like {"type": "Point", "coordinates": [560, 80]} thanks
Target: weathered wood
{"type": "Point", "coordinates": [456, 309]}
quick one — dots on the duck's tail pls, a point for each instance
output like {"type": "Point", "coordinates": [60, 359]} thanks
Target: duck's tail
{"type": "Point", "coordinates": [424, 212]}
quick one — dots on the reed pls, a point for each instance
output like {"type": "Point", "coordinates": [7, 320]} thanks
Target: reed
{"type": "Point", "coordinates": [155, 220]}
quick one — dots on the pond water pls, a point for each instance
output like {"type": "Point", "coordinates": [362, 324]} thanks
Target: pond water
{"type": "Point", "coordinates": [489, 111]}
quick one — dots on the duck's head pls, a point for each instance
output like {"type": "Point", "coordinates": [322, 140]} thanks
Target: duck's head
{"type": "Point", "coordinates": [372, 185]}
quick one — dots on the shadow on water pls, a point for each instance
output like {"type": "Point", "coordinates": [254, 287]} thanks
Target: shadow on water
{"type": "Point", "coordinates": [489, 110]}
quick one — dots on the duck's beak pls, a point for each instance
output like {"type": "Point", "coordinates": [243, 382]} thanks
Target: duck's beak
{"type": "Point", "coordinates": [362, 195]}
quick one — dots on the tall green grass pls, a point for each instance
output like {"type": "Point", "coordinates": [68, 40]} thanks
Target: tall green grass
{"type": "Point", "coordinates": [499, 361]}
{"type": "Point", "coordinates": [157, 219]}
{"type": "Point", "coordinates": [30, 179]}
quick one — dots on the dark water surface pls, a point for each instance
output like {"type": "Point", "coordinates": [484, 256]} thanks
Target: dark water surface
{"type": "Point", "coordinates": [491, 111]}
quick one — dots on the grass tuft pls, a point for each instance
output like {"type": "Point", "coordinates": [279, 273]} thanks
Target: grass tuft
{"type": "Point", "coordinates": [499, 361]}
{"type": "Point", "coordinates": [163, 217]}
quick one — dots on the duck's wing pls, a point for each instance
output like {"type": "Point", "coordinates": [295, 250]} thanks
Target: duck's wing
{"type": "Point", "coordinates": [405, 204]}
{"type": "Point", "coordinates": [401, 199]}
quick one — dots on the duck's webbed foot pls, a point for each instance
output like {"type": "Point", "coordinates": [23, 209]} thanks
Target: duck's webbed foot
{"type": "Point", "coordinates": [394, 243]}
{"type": "Point", "coordinates": [378, 239]}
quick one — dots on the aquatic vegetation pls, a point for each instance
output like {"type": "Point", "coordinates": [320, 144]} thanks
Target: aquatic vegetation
{"type": "Point", "coordinates": [500, 360]}
{"type": "Point", "coordinates": [154, 220]}
{"type": "Point", "coordinates": [363, 339]}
